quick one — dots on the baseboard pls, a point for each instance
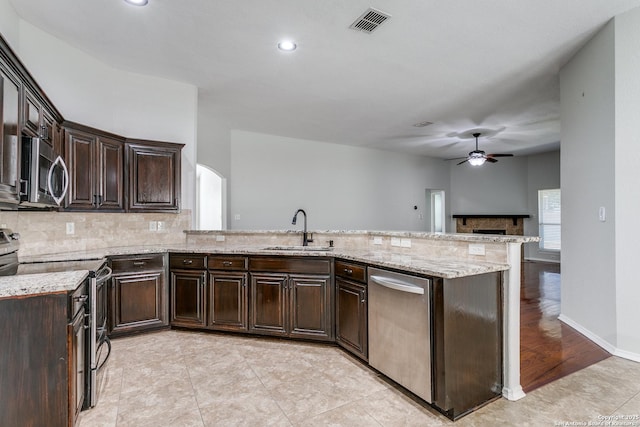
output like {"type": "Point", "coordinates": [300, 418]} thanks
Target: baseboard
{"type": "Point", "coordinates": [599, 341]}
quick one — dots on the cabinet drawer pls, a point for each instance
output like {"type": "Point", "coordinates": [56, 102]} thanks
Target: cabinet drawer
{"type": "Point", "coordinates": [77, 299]}
{"type": "Point", "coordinates": [351, 271]}
{"type": "Point", "coordinates": [227, 262]}
{"type": "Point", "coordinates": [188, 261]}
{"type": "Point", "coordinates": [137, 263]}
{"type": "Point", "coordinates": [290, 265]}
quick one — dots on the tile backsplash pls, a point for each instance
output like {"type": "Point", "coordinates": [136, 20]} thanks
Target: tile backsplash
{"type": "Point", "coordinates": [49, 232]}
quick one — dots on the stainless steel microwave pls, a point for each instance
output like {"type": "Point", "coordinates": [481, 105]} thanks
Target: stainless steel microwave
{"type": "Point", "coordinates": [44, 176]}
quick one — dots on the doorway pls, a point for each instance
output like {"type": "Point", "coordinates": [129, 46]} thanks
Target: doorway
{"type": "Point", "coordinates": [211, 189]}
{"type": "Point", "coordinates": [436, 218]}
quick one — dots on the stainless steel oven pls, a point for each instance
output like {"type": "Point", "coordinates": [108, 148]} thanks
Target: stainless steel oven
{"type": "Point", "coordinates": [44, 176]}
{"type": "Point", "coordinates": [99, 343]}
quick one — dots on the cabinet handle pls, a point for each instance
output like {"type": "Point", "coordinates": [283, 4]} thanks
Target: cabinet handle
{"type": "Point", "coordinates": [187, 261]}
{"type": "Point", "coordinates": [81, 298]}
{"type": "Point", "coordinates": [227, 263]}
{"type": "Point", "coordinates": [348, 271]}
{"type": "Point", "coordinates": [139, 263]}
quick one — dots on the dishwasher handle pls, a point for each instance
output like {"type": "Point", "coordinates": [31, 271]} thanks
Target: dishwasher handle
{"type": "Point", "coordinates": [397, 285]}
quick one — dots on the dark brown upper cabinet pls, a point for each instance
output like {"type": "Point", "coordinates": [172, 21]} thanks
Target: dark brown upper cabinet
{"type": "Point", "coordinates": [153, 176]}
{"type": "Point", "coordinates": [96, 170]}
{"type": "Point", "coordinates": [10, 134]}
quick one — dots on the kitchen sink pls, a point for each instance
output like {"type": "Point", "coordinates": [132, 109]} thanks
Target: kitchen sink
{"type": "Point", "coordinates": [299, 248]}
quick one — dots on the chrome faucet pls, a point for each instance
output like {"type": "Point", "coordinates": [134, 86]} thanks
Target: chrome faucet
{"type": "Point", "coordinates": [305, 237]}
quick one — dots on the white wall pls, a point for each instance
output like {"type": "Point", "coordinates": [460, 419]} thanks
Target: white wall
{"type": "Point", "coordinates": [627, 178]}
{"type": "Point", "coordinates": [9, 24]}
{"type": "Point", "coordinates": [340, 187]}
{"type": "Point", "coordinates": [543, 173]}
{"type": "Point", "coordinates": [91, 92]}
{"type": "Point", "coordinates": [588, 181]}
{"type": "Point", "coordinates": [495, 188]}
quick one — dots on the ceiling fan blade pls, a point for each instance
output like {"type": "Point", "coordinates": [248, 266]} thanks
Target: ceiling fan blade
{"type": "Point", "coordinates": [464, 161]}
{"type": "Point", "coordinates": [457, 158]}
{"type": "Point", "coordinates": [499, 155]}
{"type": "Point", "coordinates": [491, 160]}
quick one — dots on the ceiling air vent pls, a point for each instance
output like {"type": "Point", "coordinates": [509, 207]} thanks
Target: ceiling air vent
{"type": "Point", "coordinates": [369, 20]}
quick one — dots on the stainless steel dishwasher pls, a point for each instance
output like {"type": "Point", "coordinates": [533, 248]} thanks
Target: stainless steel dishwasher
{"type": "Point", "coordinates": [400, 329]}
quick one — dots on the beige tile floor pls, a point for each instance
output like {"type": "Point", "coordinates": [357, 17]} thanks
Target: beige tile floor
{"type": "Point", "coordinates": [175, 378]}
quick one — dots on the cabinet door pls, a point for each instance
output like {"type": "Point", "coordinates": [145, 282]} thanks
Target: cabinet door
{"type": "Point", "coordinates": [310, 307]}
{"type": "Point", "coordinates": [137, 302]}
{"type": "Point", "coordinates": [268, 304]}
{"type": "Point", "coordinates": [77, 365]}
{"type": "Point", "coordinates": [80, 154]}
{"type": "Point", "coordinates": [32, 111]}
{"type": "Point", "coordinates": [154, 177]}
{"type": "Point", "coordinates": [228, 301]}
{"type": "Point", "coordinates": [109, 182]}
{"type": "Point", "coordinates": [187, 298]}
{"type": "Point", "coordinates": [9, 132]}
{"type": "Point", "coordinates": [351, 317]}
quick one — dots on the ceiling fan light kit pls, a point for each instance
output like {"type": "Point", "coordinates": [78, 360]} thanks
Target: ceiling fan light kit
{"type": "Point", "coordinates": [478, 157]}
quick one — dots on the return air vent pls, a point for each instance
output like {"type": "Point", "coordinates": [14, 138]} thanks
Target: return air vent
{"type": "Point", "coordinates": [369, 20]}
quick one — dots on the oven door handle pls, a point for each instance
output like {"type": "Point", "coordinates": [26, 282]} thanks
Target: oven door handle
{"type": "Point", "coordinates": [104, 274]}
{"type": "Point", "coordinates": [65, 178]}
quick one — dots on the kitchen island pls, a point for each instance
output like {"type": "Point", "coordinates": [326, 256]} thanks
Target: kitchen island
{"type": "Point", "coordinates": [443, 256]}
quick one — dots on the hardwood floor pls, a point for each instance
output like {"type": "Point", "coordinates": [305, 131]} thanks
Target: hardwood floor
{"type": "Point", "coordinates": [549, 349]}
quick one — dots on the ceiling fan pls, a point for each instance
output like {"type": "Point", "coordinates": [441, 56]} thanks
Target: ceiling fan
{"type": "Point", "coordinates": [478, 157]}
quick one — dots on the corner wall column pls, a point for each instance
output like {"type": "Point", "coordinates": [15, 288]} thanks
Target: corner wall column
{"type": "Point", "coordinates": [512, 390]}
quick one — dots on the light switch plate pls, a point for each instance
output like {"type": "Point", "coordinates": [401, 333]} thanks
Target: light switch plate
{"type": "Point", "coordinates": [71, 228]}
{"type": "Point", "coordinates": [161, 226]}
{"type": "Point", "coordinates": [377, 240]}
{"type": "Point", "coordinates": [153, 225]}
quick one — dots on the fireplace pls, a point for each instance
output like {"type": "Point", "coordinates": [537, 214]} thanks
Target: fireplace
{"type": "Point", "coordinates": [501, 224]}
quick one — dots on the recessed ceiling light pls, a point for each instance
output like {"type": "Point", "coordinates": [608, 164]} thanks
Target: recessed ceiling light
{"type": "Point", "coordinates": [287, 45]}
{"type": "Point", "coordinates": [423, 124]}
{"type": "Point", "coordinates": [137, 2]}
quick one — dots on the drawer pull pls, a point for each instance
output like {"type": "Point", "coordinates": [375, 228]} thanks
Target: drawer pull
{"type": "Point", "coordinates": [187, 261]}
{"type": "Point", "coordinates": [139, 263]}
{"type": "Point", "coordinates": [348, 271]}
{"type": "Point", "coordinates": [227, 263]}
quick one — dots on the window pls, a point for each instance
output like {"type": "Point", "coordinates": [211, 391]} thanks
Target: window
{"type": "Point", "coordinates": [549, 219]}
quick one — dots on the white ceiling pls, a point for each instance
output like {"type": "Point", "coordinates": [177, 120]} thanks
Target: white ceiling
{"type": "Point", "coordinates": [465, 65]}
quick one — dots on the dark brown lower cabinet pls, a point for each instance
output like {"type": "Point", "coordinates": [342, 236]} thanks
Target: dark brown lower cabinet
{"type": "Point", "coordinates": [292, 305]}
{"type": "Point", "coordinates": [228, 298]}
{"type": "Point", "coordinates": [351, 317]}
{"type": "Point", "coordinates": [139, 294]}
{"type": "Point", "coordinates": [42, 359]}
{"type": "Point", "coordinates": [188, 297]}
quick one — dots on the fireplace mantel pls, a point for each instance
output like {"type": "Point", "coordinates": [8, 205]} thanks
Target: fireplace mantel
{"type": "Point", "coordinates": [514, 217]}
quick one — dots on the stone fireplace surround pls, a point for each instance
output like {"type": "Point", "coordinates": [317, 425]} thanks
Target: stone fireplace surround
{"type": "Point", "coordinates": [510, 224]}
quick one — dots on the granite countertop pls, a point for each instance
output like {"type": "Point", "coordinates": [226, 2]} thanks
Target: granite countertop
{"type": "Point", "coordinates": [31, 284]}
{"type": "Point", "coordinates": [41, 283]}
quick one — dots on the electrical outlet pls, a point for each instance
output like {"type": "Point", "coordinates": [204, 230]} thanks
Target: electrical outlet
{"type": "Point", "coordinates": [161, 226]}
{"type": "Point", "coordinates": [395, 241]}
{"type": "Point", "coordinates": [405, 243]}
{"type": "Point", "coordinates": [71, 228]}
{"type": "Point", "coordinates": [153, 225]}
{"type": "Point", "coordinates": [236, 217]}
{"type": "Point", "coordinates": [219, 238]}
{"type": "Point", "coordinates": [476, 249]}
{"type": "Point", "coordinates": [377, 240]}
